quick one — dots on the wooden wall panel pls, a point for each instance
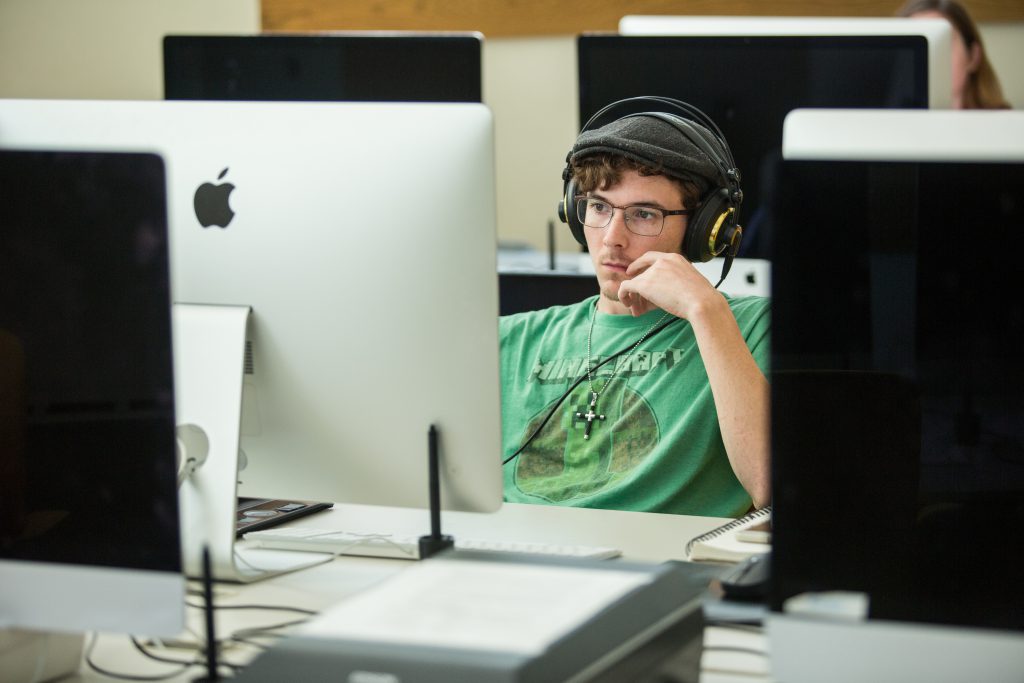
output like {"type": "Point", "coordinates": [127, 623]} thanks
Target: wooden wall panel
{"type": "Point", "coordinates": [503, 18]}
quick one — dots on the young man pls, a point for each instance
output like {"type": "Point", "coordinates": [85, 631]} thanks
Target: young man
{"type": "Point", "coordinates": [678, 423]}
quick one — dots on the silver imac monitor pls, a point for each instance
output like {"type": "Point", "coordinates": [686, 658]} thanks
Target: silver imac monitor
{"type": "Point", "coordinates": [898, 397]}
{"type": "Point", "coordinates": [361, 236]}
{"type": "Point", "coordinates": [938, 32]}
{"type": "Point", "coordinates": [89, 528]}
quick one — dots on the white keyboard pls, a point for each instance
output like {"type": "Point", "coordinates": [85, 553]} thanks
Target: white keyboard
{"type": "Point", "coordinates": [312, 539]}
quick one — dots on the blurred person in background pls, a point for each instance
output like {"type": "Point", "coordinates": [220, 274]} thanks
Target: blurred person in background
{"type": "Point", "coordinates": [975, 84]}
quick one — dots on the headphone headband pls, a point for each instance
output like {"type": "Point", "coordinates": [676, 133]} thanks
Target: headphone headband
{"type": "Point", "coordinates": [721, 158]}
{"type": "Point", "coordinates": [687, 110]}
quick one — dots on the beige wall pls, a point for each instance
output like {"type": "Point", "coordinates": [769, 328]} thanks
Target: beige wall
{"type": "Point", "coordinates": [530, 84]}
{"type": "Point", "coordinates": [103, 49]}
{"type": "Point", "coordinates": [111, 49]}
{"type": "Point", "coordinates": [1004, 43]}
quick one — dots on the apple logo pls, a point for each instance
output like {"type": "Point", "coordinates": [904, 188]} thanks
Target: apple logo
{"type": "Point", "coordinates": [211, 203]}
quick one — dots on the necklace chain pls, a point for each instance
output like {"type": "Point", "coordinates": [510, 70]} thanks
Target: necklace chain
{"type": "Point", "coordinates": [590, 378]}
{"type": "Point", "coordinates": [592, 413]}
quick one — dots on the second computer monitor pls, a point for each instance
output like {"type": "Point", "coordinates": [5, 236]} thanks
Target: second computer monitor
{"type": "Point", "coordinates": [747, 85]}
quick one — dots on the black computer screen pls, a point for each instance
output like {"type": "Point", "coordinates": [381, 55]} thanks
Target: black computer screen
{"type": "Point", "coordinates": [534, 290]}
{"type": "Point", "coordinates": [898, 387]}
{"type": "Point", "coordinates": [747, 85]}
{"type": "Point", "coordinates": [87, 465]}
{"type": "Point", "coordinates": [365, 67]}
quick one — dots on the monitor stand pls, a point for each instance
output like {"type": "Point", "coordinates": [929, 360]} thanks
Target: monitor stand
{"type": "Point", "coordinates": [209, 358]}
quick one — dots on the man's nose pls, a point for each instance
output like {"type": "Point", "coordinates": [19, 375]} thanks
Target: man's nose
{"type": "Point", "coordinates": [616, 233]}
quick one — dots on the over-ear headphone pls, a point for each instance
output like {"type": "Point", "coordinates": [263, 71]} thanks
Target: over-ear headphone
{"type": "Point", "coordinates": [713, 228]}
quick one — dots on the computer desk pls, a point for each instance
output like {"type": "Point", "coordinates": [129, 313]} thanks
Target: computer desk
{"type": "Point", "coordinates": [643, 537]}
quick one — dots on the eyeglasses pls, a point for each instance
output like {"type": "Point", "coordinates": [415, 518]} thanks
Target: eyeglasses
{"type": "Point", "coordinates": [647, 221]}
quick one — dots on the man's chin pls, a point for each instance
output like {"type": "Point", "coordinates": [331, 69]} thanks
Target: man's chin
{"type": "Point", "coordinates": [610, 290]}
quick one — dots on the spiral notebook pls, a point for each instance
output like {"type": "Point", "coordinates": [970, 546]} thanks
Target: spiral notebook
{"type": "Point", "coordinates": [735, 541]}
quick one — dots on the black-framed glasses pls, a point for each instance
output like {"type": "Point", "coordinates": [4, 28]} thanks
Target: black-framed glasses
{"type": "Point", "coordinates": [647, 221]}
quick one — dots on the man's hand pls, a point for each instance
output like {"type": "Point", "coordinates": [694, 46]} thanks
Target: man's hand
{"type": "Point", "coordinates": [665, 281]}
{"type": "Point", "coordinates": [671, 283]}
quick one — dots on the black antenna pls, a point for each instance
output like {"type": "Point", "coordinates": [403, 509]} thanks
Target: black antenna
{"type": "Point", "coordinates": [436, 541]}
{"type": "Point", "coordinates": [551, 245]}
{"type": "Point", "coordinates": [211, 636]}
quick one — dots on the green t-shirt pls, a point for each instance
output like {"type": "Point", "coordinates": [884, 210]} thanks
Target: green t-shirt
{"type": "Point", "coordinates": [658, 447]}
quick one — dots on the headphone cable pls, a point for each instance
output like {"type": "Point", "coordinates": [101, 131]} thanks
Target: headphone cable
{"type": "Point", "coordinates": [573, 386]}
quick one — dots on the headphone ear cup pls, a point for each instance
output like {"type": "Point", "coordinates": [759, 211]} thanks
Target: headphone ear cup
{"type": "Point", "coordinates": [711, 228]}
{"type": "Point", "coordinates": [567, 213]}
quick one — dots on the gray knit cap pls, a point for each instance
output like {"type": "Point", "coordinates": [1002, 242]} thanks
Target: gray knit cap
{"type": "Point", "coordinates": [655, 142]}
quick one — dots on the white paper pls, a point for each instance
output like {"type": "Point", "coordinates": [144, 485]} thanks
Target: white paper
{"type": "Point", "coordinates": [493, 606]}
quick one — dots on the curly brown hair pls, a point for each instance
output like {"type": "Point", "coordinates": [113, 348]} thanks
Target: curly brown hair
{"type": "Point", "coordinates": [602, 171]}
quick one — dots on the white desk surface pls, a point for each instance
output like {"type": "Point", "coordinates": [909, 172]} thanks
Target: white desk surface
{"type": "Point", "coordinates": [641, 537]}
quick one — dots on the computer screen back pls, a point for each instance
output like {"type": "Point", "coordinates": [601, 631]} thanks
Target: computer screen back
{"type": "Point", "coordinates": [747, 85]}
{"type": "Point", "coordinates": [353, 67]}
{"type": "Point", "coordinates": [936, 30]}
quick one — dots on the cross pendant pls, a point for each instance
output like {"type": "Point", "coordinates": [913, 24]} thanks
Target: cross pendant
{"type": "Point", "coordinates": [590, 415]}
